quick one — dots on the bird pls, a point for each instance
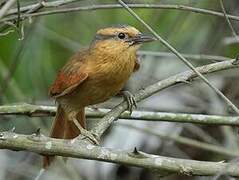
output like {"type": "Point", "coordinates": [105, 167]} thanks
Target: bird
{"type": "Point", "coordinates": [92, 76]}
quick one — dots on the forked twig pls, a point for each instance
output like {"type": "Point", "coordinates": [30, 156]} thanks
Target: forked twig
{"type": "Point", "coordinates": [227, 19]}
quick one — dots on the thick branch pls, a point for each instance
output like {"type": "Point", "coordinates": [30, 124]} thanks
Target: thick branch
{"type": "Point", "coordinates": [71, 148]}
{"type": "Point", "coordinates": [41, 110]}
{"type": "Point", "coordinates": [115, 6]}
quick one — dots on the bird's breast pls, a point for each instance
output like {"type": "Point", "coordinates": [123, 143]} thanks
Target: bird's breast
{"type": "Point", "coordinates": [114, 70]}
{"type": "Point", "coordinates": [105, 80]}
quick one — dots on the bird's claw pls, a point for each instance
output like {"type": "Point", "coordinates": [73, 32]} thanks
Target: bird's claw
{"type": "Point", "coordinates": [130, 99]}
{"type": "Point", "coordinates": [86, 134]}
{"type": "Point", "coordinates": [89, 135]}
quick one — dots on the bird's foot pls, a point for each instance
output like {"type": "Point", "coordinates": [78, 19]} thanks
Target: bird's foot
{"type": "Point", "coordinates": [130, 99]}
{"type": "Point", "coordinates": [86, 134]}
{"type": "Point", "coordinates": [89, 135]}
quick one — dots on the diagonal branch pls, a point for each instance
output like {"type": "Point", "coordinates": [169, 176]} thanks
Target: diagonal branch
{"type": "Point", "coordinates": [227, 19]}
{"type": "Point", "coordinates": [109, 118]}
{"type": "Point", "coordinates": [185, 61]}
{"type": "Point", "coordinates": [71, 148]}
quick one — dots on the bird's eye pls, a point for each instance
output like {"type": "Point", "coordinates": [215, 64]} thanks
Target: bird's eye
{"type": "Point", "coordinates": [121, 35]}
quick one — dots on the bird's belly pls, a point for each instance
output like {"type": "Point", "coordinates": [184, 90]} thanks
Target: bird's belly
{"type": "Point", "coordinates": [100, 86]}
{"type": "Point", "coordinates": [94, 91]}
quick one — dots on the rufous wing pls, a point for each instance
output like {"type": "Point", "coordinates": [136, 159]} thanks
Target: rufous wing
{"type": "Point", "coordinates": [65, 83]}
{"type": "Point", "coordinates": [70, 76]}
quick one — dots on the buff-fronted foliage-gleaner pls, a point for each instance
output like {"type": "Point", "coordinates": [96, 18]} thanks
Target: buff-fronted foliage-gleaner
{"type": "Point", "coordinates": [92, 76]}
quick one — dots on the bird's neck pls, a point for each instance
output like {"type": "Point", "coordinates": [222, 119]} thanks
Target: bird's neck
{"type": "Point", "coordinates": [105, 54]}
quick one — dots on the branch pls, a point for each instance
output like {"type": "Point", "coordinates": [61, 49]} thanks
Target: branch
{"type": "Point", "coordinates": [231, 40]}
{"type": "Point", "coordinates": [189, 56]}
{"type": "Point", "coordinates": [108, 119]}
{"type": "Point", "coordinates": [43, 145]}
{"type": "Point", "coordinates": [200, 133]}
{"type": "Point", "coordinates": [114, 6]}
{"type": "Point", "coordinates": [56, 3]}
{"type": "Point", "coordinates": [41, 110]}
{"type": "Point", "coordinates": [71, 148]}
{"type": "Point", "coordinates": [227, 19]}
{"type": "Point", "coordinates": [105, 122]}
{"type": "Point", "coordinates": [185, 61]}
{"type": "Point", "coordinates": [5, 8]}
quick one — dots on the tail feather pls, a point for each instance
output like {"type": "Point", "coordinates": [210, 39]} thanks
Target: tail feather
{"type": "Point", "coordinates": [57, 131]}
{"type": "Point", "coordinates": [63, 128]}
{"type": "Point", "coordinates": [58, 126]}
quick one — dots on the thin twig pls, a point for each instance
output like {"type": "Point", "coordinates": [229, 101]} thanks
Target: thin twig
{"type": "Point", "coordinates": [19, 29]}
{"type": "Point", "coordinates": [184, 140]}
{"type": "Point", "coordinates": [189, 56]}
{"type": "Point", "coordinates": [165, 43]}
{"type": "Point", "coordinates": [72, 148]}
{"type": "Point", "coordinates": [117, 6]}
{"type": "Point", "coordinates": [227, 19]}
{"type": "Point", "coordinates": [7, 32]}
{"type": "Point", "coordinates": [18, 14]}
{"type": "Point", "coordinates": [6, 7]}
{"type": "Point", "coordinates": [199, 132]}
{"type": "Point", "coordinates": [38, 6]}
{"type": "Point", "coordinates": [41, 3]}
{"type": "Point", "coordinates": [43, 111]}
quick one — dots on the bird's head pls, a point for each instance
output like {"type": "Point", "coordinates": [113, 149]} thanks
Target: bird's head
{"type": "Point", "coordinates": [117, 39]}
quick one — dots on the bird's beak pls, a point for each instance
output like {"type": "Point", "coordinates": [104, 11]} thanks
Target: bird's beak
{"type": "Point", "coordinates": [142, 38]}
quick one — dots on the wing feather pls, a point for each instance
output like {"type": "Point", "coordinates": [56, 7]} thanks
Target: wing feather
{"type": "Point", "coordinates": [70, 76]}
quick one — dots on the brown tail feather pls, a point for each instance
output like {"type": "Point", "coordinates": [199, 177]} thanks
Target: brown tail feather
{"type": "Point", "coordinates": [57, 131]}
{"type": "Point", "coordinates": [63, 128]}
